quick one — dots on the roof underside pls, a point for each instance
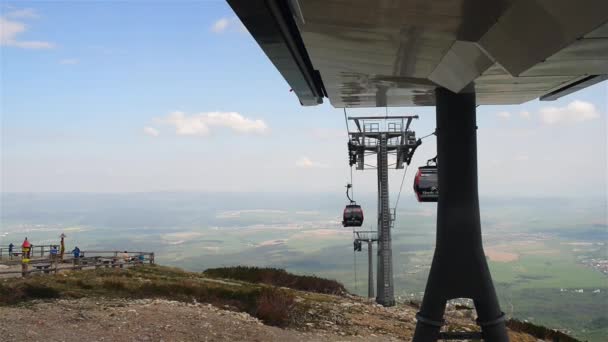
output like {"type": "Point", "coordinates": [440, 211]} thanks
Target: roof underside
{"type": "Point", "coordinates": [362, 53]}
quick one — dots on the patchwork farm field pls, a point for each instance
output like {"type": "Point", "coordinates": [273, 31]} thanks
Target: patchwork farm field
{"type": "Point", "coordinates": [541, 253]}
{"type": "Point", "coordinates": [549, 285]}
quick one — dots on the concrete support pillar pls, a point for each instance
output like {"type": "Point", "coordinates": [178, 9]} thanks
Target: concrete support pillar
{"type": "Point", "coordinates": [459, 268]}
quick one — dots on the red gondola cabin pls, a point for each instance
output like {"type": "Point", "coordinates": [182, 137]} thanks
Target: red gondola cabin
{"type": "Point", "coordinates": [426, 184]}
{"type": "Point", "coordinates": [353, 216]}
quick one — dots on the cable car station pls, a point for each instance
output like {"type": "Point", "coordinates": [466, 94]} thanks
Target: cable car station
{"type": "Point", "coordinates": [454, 55]}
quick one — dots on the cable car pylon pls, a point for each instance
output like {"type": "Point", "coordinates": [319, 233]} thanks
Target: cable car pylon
{"type": "Point", "coordinates": [368, 237]}
{"type": "Point", "coordinates": [382, 136]}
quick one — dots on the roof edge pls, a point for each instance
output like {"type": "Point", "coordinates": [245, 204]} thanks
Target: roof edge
{"type": "Point", "coordinates": [272, 25]}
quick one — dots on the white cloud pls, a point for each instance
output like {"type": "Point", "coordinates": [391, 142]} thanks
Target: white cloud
{"type": "Point", "coordinates": [27, 13]}
{"type": "Point", "coordinates": [220, 25]}
{"type": "Point", "coordinates": [275, 242]}
{"type": "Point", "coordinates": [225, 24]}
{"type": "Point", "coordinates": [151, 131]}
{"type": "Point", "coordinates": [504, 115]}
{"type": "Point", "coordinates": [32, 44]}
{"type": "Point", "coordinates": [10, 29]}
{"type": "Point", "coordinates": [575, 111]}
{"type": "Point", "coordinates": [524, 114]}
{"type": "Point", "coordinates": [201, 124]}
{"type": "Point", "coordinates": [306, 163]}
{"type": "Point", "coordinates": [69, 61]}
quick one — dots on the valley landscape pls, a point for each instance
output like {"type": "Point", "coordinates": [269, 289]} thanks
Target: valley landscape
{"type": "Point", "coordinates": [548, 256]}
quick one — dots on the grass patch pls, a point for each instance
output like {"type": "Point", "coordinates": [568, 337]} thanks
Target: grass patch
{"type": "Point", "coordinates": [539, 331]}
{"type": "Point", "coordinates": [270, 304]}
{"type": "Point", "coordinates": [278, 277]}
{"type": "Point", "coordinates": [532, 271]}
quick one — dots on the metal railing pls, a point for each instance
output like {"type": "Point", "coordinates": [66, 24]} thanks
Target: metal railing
{"type": "Point", "coordinates": [86, 260]}
{"type": "Point", "coordinates": [36, 251]}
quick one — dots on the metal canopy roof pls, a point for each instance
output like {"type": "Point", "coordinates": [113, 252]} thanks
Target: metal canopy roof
{"type": "Point", "coordinates": [363, 53]}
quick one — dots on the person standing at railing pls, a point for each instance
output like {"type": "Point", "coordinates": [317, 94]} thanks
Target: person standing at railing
{"type": "Point", "coordinates": [26, 248]}
{"type": "Point", "coordinates": [124, 259]}
{"type": "Point", "coordinates": [62, 249]}
{"type": "Point", "coordinates": [10, 251]}
{"type": "Point", "coordinates": [25, 257]}
{"type": "Point", "coordinates": [53, 254]}
{"type": "Point", "coordinates": [76, 254]}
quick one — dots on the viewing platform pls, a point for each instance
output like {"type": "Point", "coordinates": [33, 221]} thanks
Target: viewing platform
{"type": "Point", "coordinates": [42, 262]}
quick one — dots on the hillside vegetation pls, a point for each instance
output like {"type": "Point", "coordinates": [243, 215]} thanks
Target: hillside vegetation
{"type": "Point", "coordinates": [152, 282]}
{"type": "Point", "coordinates": [278, 277]}
{"type": "Point", "coordinates": [318, 310]}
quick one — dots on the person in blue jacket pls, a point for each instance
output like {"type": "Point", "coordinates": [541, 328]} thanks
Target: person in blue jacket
{"type": "Point", "coordinates": [10, 250]}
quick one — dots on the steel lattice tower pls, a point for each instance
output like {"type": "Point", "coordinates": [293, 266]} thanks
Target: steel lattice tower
{"type": "Point", "coordinates": [382, 136]}
{"type": "Point", "coordinates": [368, 237]}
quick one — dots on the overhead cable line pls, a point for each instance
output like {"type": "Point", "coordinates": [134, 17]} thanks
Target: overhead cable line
{"type": "Point", "coordinates": [352, 192]}
{"type": "Point", "coordinates": [355, 263]}
{"type": "Point", "coordinates": [400, 188]}
{"type": "Point", "coordinates": [346, 123]}
{"type": "Point", "coordinates": [405, 172]}
{"type": "Point", "coordinates": [428, 135]}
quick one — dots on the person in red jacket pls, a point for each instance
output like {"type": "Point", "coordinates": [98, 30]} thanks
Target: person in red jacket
{"type": "Point", "coordinates": [26, 248]}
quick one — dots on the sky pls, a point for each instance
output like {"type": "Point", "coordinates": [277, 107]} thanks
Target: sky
{"type": "Point", "coordinates": [177, 96]}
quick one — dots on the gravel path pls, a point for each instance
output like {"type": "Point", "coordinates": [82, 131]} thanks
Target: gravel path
{"type": "Point", "coordinates": [145, 320]}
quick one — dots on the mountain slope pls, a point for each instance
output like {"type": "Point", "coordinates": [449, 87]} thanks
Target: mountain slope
{"type": "Point", "coordinates": [154, 303]}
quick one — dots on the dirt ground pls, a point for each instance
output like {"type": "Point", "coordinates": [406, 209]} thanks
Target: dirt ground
{"type": "Point", "coordinates": [154, 320]}
{"type": "Point", "coordinates": [145, 320]}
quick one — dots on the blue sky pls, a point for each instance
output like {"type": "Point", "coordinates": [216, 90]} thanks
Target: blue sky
{"type": "Point", "coordinates": [88, 91]}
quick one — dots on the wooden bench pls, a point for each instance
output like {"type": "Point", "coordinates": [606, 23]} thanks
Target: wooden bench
{"type": "Point", "coordinates": [109, 262]}
{"type": "Point", "coordinates": [86, 262]}
{"type": "Point", "coordinates": [43, 267]}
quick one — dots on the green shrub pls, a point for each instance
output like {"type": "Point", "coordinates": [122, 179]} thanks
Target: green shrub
{"type": "Point", "coordinates": [539, 331]}
{"type": "Point", "coordinates": [114, 284]}
{"type": "Point", "coordinates": [33, 290]}
{"type": "Point", "coordinates": [278, 277]}
{"type": "Point", "coordinates": [83, 285]}
{"type": "Point", "coordinates": [275, 306]}
{"type": "Point", "coordinates": [10, 295]}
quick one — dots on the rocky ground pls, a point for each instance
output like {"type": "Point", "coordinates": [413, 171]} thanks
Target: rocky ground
{"type": "Point", "coordinates": [327, 318]}
{"type": "Point", "coordinates": [125, 305]}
